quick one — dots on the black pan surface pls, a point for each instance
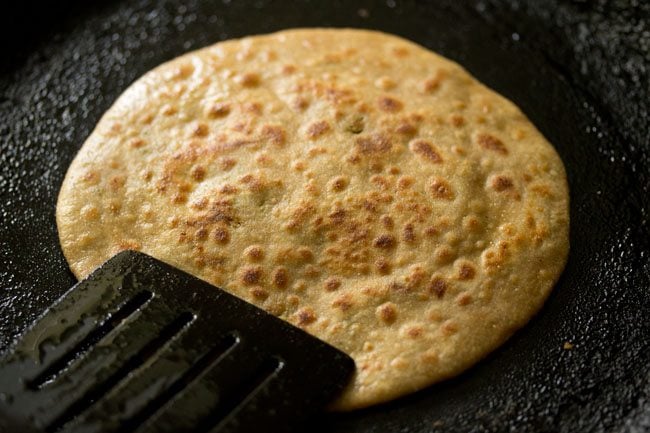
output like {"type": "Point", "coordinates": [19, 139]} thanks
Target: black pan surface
{"type": "Point", "coordinates": [578, 69]}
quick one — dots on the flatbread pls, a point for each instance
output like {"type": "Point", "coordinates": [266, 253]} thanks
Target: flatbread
{"type": "Point", "coordinates": [350, 182]}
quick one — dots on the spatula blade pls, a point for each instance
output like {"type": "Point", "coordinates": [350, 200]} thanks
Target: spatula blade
{"type": "Point", "coordinates": [140, 346]}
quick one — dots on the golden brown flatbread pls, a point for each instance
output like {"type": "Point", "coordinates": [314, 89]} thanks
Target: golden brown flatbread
{"type": "Point", "coordinates": [350, 182]}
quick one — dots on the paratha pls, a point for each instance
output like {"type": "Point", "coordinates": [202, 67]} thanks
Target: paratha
{"type": "Point", "coordinates": [350, 182]}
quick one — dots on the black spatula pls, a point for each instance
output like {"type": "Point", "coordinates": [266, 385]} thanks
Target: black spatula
{"type": "Point", "coordinates": [140, 346]}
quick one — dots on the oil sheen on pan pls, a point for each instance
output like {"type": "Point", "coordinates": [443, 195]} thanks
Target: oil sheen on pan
{"type": "Point", "coordinates": [350, 182]}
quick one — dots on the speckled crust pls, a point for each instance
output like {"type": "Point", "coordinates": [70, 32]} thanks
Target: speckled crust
{"type": "Point", "coordinates": [350, 182]}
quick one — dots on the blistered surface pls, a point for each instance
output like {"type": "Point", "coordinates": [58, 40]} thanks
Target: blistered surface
{"type": "Point", "coordinates": [576, 70]}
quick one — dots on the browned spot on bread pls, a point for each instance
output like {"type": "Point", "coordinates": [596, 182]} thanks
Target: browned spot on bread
{"type": "Point", "coordinates": [198, 173]}
{"type": "Point", "coordinates": [274, 133]}
{"type": "Point", "coordinates": [501, 183]}
{"type": "Point", "coordinates": [355, 124]}
{"type": "Point", "coordinates": [227, 163]}
{"type": "Point", "coordinates": [431, 231]}
{"type": "Point", "coordinates": [317, 129]}
{"type": "Point", "coordinates": [464, 299]}
{"type": "Point", "coordinates": [136, 142]}
{"type": "Point", "coordinates": [389, 104]}
{"type": "Point", "coordinates": [400, 52]}
{"type": "Point", "coordinates": [306, 316]}
{"type": "Point", "coordinates": [387, 312]}
{"type": "Point", "coordinates": [259, 293]}
{"type": "Point", "coordinates": [248, 79]}
{"type": "Point", "coordinates": [380, 181]}
{"type": "Point", "coordinates": [90, 177]}
{"type": "Point", "coordinates": [337, 216]}
{"type": "Point", "coordinates": [221, 235]}
{"type": "Point", "coordinates": [280, 277]}
{"type": "Point", "coordinates": [200, 130]}
{"type": "Point", "coordinates": [299, 103]}
{"type": "Point", "coordinates": [344, 302]}
{"type": "Point", "coordinates": [490, 142]}
{"type": "Point", "coordinates": [430, 85]}
{"type": "Point", "coordinates": [396, 286]}
{"type": "Point", "coordinates": [437, 286]}
{"type": "Point", "coordinates": [415, 277]}
{"type": "Point", "coordinates": [311, 271]}
{"type": "Point", "coordinates": [440, 189]}
{"type": "Point", "coordinates": [116, 182]}
{"type": "Point", "coordinates": [339, 183]}
{"type": "Point", "coordinates": [332, 283]}
{"type": "Point", "coordinates": [289, 69]}
{"type": "Point", "coordinates": [415, 331]}
{"type": "Point", "coordinates": [426, 150]}
{"type": "Point", "coordinates": [384, 241]}
{"type": "Point", "coordinates": [449, 327]}
{"type": "Point", "coordinates": [251, 275]}
{"type": "Point", "coordinates": [408, 233]}
{"type": "Point", "coordinates": [466, 271]}
{"type": "Point", "coordinates": [405, 182]}
{"type": "Point", "coordinates": [201, 234]}
{"type": "Point", "coordinates": [254, 253]}
{"type": "Point", "coordinates": [456, 120]}
{"type": "Point", "coordinates": [387, 221]}
{"type": "Point", "coordinates": [373, 144]}
{"type": "Point", "coordinates": [228, 189]}
{"type": "Point", "coordinates": [443, 254]}
{"type": "Point", "coordinates": [383, 266]}
{"type": "Point", "coordinates": [218, 109]}
{"type": "Point", "coordinates": [406, 128]}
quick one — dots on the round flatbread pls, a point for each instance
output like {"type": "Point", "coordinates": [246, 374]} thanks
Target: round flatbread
{"type": "Point", "coordinates": [350, 182]}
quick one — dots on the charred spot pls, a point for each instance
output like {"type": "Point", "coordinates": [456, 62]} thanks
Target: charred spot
{"type": "Point", "coordinates": [248, 79]}
{"type": "Point", "coordinates": [332, 284]}
{"type": "Point", "coordinates": [343, 302]}
{"type": "Point", "coordinates": [440, 189]}
{"type": "Point", "coordinates": [221, 235]}
{"type": "Point", "coordinates": [501, 183]}
{"type": "Point", "coordinates": [384, 241]}
{"type": "Point", "coordinates": [466, 271]}
{"type": "Point", "coordinates": [198, 173]}
{"type": "Point", "coordinates": [409, 233]}
{"type": "Point", "coordinates": [201, 234]}
{"type": "Point", "coordinates": [306, 316]}
{"type": "Point", "coordinates": [438, 287]}
{"type": "Point", "coordinates": [355, 125]}
{"type": "Point", "coordinates": [337, 216]}
{"type": "Point", "coordinates": [219, 109]}
{"type": "Point", "coordinates": [274, 133]}
{"type": "Point", "coordinates": [387, 312]}
{"type": "Point", "coordinates": [426, 150]}
{"type": "Point", "coordinates": [280, 277]}
{"type": "Point", "coordinates": [383, 266]}
{"type": "Point", "coordinates": [490, 142]}
{"type": "Point", "coordinates": [389, 104]}
{"type": "Point", "coordinates": [406, 128]}
{"type": "Point", "coordinates": [373, 143]}
{"type": "Point", "coordinates": [259, 293]}
{"type": "Point", "coordinates": [339, 183]}
{"type": "Point", "coordinates": [317, 129]}
{"type": "Point", "coordinates": [251, 275]}
{"type": "Point", "coordinates": [254, 253]}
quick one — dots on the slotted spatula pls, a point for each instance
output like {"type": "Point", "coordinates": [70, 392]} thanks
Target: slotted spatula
{"type": "Point", "coordinates": [140, 346]}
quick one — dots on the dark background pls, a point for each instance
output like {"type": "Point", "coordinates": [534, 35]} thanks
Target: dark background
{"type": "Point", "coordinates": [579, 70]}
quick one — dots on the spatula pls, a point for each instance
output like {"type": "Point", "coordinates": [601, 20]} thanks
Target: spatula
{"type": "Point", "coordinates": [140, 346]}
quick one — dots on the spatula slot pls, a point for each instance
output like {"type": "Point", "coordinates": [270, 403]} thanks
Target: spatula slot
{"type": "Point", "coordinates": [98, 391]}
{"type": "Point", "coordinates": [250, 386]}
{"type": "Point", "coordinates": [94, 337]}
{"type": "Point", "coordinates": [222, 348]}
